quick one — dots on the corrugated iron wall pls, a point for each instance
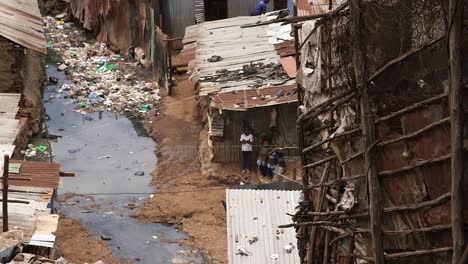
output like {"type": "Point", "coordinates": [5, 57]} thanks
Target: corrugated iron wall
{"type": "Point", "coordinates": [228, 149]}
{"type": "Point", "coordinates": [177, 15]}
{"type": "Point", "coordinates": [244, 7]}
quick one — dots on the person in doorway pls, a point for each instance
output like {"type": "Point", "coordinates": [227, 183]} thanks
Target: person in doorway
{"type": "Point", "coordinates": [246, 140]}
{"type": "Point", "coordinates": [262, 159]}
{"type": "Point", "coordinates": [260, 8]}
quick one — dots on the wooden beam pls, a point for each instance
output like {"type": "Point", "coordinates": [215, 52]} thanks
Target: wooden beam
{"type": "Point", "coordinates": [415, 133]}
{"type": "Point", "coordinates": [344, 134]}
{"type": "Point", "coordinates": [404, 56]}
{"type": "Point", "coordinates": [325, 104]}
{"type": "Point", "coordinates": [320, 162]}
{"type": "Point", "coordinates": [415, 165]}
{"type": "Point", "coordinates": [456, 135]}
{"type": "Point", "coordinates": [415, 253]}
{"type": "Point", "coordinates": [412, 107]}
{"type": "Point", "coordinates": [359, 53]}
{"type": "Point", "coordinates": [6, 162]}
{"type": "Point", "coordinates": [337, 181]}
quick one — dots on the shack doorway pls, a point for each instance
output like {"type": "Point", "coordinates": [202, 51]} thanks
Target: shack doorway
{"type": "Point", "coordinates": [215, 9]}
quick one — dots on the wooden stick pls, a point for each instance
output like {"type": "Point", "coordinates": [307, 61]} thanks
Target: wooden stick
{"type": "Point", "coordinates": [338, 181]}
{"type": "Point", "coordinates": [456, 134]}
{"type": "Point", "coordinates": [416, 133]}
{"type": "Point", "coordinates": [359, 52]}
{"type": "Point", "coordinates": [415, 165]}
{"type": "Point", "coordinates": [418, 253]}
{"type": "Point", "coordinates": [296, 19]}
{"type": "Point", "coordinates": [6, 164]}
{"type": "Point", "coordinates": [326, 103]}
{"type": "Point", "coordinates": [13, 201]}
{"type": "Point", "coordinates": [313, 232]}
{"type": "Point", "coordinates": [344, 134]}
{"type": "Point", "coordinates": [412, 107]}
{"type": "Point", "coordinates": [316, 223]}
{"type": "Point", "coordinates": [320, 162]}
{"type": "Point", "coordinates": [17, 179]}
{"type": "Point", "coordinates": [354, 156]}
{"type": "Point", "coordinates": [403, 57]}
{"type": "Point", "coordinates": [326, 247]}
{"type": "Point", "coordinates": [431, 203]}
{"type": "Point", "coordinates": [435, 228]}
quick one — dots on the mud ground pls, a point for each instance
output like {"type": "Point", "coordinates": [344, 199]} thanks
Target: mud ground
{"type": "Point", "coordinates": [75, 245]}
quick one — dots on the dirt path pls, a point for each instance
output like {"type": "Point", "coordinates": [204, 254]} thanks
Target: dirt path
{"type": "Point", "coordinates": [76, 246]}
{"type": "Point", "coordinates": [185, 197]}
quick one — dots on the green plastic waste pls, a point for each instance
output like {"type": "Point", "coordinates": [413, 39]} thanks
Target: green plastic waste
{"type": "Point", "coordinates": [105, 66]}
{"type": "Point", "coordinates": [119, 58]}
{"type": "Point", "coordinates": [42, 148]}
{"type": "Point", "coordinates": [145, 107]}
{"type": "Point", "coordinates": [82, 104]}
{"type": "Point", "coordinates": [50, 46]}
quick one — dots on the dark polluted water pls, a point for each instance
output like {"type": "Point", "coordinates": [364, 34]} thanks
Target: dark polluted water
{"type": "Point", "coordinates": [113, 160]}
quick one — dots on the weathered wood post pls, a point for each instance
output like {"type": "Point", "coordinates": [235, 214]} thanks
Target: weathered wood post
{"type": "Point", "coordinates": [6, 162]}
{"type": "Point", "coordinates": [359, 51]}
{"type": "Point", "coordinates": [456, 134]}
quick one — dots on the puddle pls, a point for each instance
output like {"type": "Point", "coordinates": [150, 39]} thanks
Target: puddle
{"type": "Point", "coordinates": [106, 151]}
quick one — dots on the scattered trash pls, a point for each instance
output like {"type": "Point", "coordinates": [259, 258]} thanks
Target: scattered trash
{"type": "Point", "coordinates": [106, 237]}
{"type": "Point", "coordinates": [53, 79]}
{"type": "Point", "coordinates": [62, 67]}
{"type": "Point", "coordinates": [111, 79]}
{"type": "Point", "coordinates": [242, 251]}
{"type": "Point", "coordinates": [274, 256]}
{"type": "Point", "coordinates": [215, 58]}
{"type": "Point", "coordinates": [289, 248]}
{"type": "Point", "coordinates": [132, 205]}
{"type": "Point", "coordinates": [140, 173]}
{"type": "Point", "coordinates": [42, 148]}
{"type": "Point", "coordinates": [104, 157]}
{"type": "Point", "coordinates": [253, 240]}
{"type": "Point", "coordinates": [155, 237]}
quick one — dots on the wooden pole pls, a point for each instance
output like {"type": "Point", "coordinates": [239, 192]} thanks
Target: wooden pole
{"type": "Point", "coordinates": [359, 52]}
{"type": "Point", "coordinates": [6, 162]}
{"type": "Point", "coordinates": [456, 135]}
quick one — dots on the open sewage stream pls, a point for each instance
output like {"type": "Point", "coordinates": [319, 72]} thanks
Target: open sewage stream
{"type": "Point", "coordinates": [113, 158]}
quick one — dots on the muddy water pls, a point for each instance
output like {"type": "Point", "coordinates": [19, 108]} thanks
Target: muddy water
{"type": "Point", "coordinates": [112, 159]}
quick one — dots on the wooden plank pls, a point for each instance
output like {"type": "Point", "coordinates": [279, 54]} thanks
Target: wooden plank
{"type": "Point", "coordinates": [456, 135]}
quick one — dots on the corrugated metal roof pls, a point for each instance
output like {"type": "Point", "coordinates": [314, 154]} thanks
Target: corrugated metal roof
{"type": "Point", "coordinates": [21, 22]}
{"type": "Point", "coordinates": [237, 46]}
{"type": "Point", "coordinates": [258, 213]}
{"type": "Point", "coordinates": [247, 99]}
{"type": "Point", "coordinates": [24, 216]}
{"type": "Point", "coordinates": [315, 7]}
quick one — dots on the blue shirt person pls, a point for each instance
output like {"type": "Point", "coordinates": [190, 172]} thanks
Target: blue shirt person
{"type": "Point", "coordinates": [260, 8]}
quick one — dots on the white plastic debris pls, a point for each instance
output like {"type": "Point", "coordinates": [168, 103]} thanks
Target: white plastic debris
{"type": "Point", "coordinates": [289, 248]}
{"type": "Point", "coordinates": [274, 256]}
{"type": "Point", "coordinates": [242, 251]}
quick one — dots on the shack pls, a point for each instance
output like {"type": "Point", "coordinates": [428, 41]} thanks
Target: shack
{"type": "Point", "coordinates": [245, 78]}
{"type": "Point", "coordinates": [377, 137]}
{"type": "Point", "coordinates": [22, 46]}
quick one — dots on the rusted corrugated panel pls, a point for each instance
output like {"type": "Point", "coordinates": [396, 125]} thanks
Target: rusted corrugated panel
{"type": "Point", "coordinates": [285, 48]}
{"type": "Point", "coordinates": [289, 66]}
{"type": "Point", "coordinates": [21, 22]}
{"type": "Point", "coordinates": [244, 7]}
{"type": "Point", "coordinates": [252, 98]}
{"type": "Point", "coordinates": [42, 174]}
{"type": "Point", "coordinates": [199, 11]}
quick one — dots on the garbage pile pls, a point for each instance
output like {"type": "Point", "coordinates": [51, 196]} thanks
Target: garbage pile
{"type": "Point", "coordinates": [25, 258]}
{"type": "Point", "coordinates": [102, 78]}
{"type": "Point", "coordinates": [258, 71]}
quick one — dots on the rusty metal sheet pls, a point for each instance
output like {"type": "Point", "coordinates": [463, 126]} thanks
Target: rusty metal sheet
{"type": "Point", "coordinates": [289, 66]}
{"type": "Point", "coordinates": [21, 22]}
{"type": "Point", "coordinates": [42, 174]}
{"type": "Point", "coordinates": [252, 98]}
